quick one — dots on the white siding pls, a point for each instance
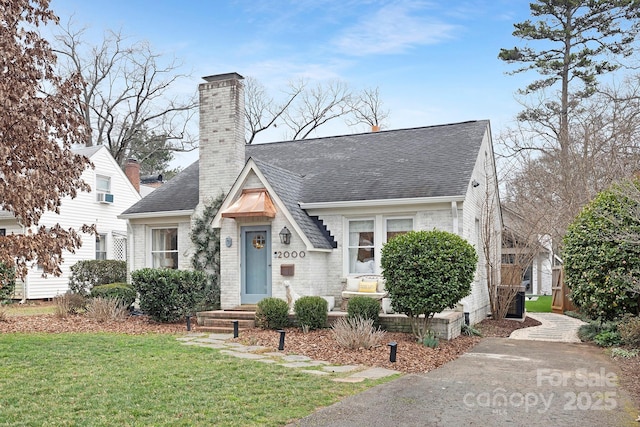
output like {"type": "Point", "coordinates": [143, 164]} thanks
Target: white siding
{"type": "Point", "coordinates": [84, 209]}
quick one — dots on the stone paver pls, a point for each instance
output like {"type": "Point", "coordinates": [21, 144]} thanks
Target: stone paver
{"type": "Point", "coordinates": [555, 327]}
{"type": "Point", "coordinates": [294, 361]}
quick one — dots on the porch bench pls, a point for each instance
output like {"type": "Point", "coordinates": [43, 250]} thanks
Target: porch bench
{"type": "Point", "coordinates": [370, 286]}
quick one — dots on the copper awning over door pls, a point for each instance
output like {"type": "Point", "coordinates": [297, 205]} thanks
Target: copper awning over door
{"type": "Point", "coordinates": [254, 202]}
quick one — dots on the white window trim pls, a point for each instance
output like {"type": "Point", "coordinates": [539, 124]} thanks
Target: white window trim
{"type": "Point", "coordinates": [106, 246]}
{"type": "Point", "coordinates": [379, 237]}
{"type": "Point", "coordinates": [150, 242]}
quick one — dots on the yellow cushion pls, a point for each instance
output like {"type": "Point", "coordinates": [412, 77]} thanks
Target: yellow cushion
{"type": "Point", "coordinates": [368, 287]}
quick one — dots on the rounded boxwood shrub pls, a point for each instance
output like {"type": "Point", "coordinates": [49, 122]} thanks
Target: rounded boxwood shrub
{"type": "Point", "coordinates": [311, 312]}
{"type": "Point", "coordinates": [169, 295]}
{"type": "Point", "coordinates": [272, 313]}
{"type": "Point", "coordinates": [365, 308]}
{"type": "Point", "coordinates": [601, 258]}
{"type": "Point", "coordinates": [426, 272]}
{"type": "Point", "coordinates": [123, 291]}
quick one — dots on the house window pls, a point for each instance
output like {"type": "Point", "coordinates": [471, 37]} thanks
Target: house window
{"type": "Point", "coordinates": [397, 226]}
{"type": "Point", "coordinates": [103, 183]}
{"type": "Point", "coordinates": [3, 232]}
{"type": "Point", "coordinates": [361, 246]}
{"type": "Point", "coordinates": [164, 248]}
{"type": "Point", "coordinates": [101, 246]}
{"type": "Point", "coordinates": [366, 238]}
{"type": "Point", "coordinates": [103, 186]}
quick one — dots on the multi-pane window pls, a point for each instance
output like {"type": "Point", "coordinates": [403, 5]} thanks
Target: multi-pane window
{"type": "Point", "coordinates": [397, 226]}
{"type": "Point", "coordinates": [361, 246]}
{"type": "Point", "coordinates": [164, 248]}
{"type": "Point", "coordinates": [366, 238]}
{"type": "Point", "coordinates": [101, 246]}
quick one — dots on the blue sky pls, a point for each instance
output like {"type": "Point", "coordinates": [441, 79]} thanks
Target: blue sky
{"type": "Point", "coordinates": [434, 62]}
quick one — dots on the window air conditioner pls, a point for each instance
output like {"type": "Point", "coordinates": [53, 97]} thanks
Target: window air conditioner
{"type": "Point", "coordinates": [105, 198]}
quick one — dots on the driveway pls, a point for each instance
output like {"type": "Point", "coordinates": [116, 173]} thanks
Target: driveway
{"type": "Point", "coordinates": [501, 382]}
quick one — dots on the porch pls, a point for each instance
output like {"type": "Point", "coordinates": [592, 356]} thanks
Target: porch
{"type": "Point", "coordinates": [446, 325]}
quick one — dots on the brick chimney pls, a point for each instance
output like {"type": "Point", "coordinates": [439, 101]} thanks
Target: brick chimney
{"type": "Point", "coordinates": [132, 171]}
{"type": "Point", "coordinates": [222, 139]}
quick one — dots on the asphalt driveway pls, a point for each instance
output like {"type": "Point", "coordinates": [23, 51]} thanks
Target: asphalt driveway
{"type": "Point", "coordinates": [501, 382]}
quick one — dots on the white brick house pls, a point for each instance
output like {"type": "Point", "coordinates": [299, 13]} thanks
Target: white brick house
{"type": "Point", "coordinates": [339, 197]}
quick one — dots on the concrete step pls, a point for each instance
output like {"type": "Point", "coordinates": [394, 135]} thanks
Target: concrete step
{"type": "Point", "coordinates": [226, 314]}
{"type": "Point", "coordinates": [227, 323]}
{"type": "Point", "coordinates": [218, 330]}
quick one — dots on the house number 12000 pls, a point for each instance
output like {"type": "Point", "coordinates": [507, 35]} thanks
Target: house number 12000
{"type": "Point", "coordinates": [292, 254]}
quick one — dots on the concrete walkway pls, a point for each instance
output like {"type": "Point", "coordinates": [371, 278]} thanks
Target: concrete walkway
{"type": "Point", "coordinates": [554, 328]}
{"type": "Point", "coordinates": [347, 373]}
{"type": "Point", "coordinates": [539, 376]}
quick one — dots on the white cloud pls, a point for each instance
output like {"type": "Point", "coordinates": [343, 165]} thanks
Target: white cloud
{"type": "Point", "coordinates": [394, 28]}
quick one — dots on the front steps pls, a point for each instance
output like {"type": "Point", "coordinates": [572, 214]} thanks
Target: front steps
{"type": "Point", "coordinates": [221, 321]}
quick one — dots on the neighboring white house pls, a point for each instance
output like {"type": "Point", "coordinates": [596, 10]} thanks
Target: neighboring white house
{"type": "Point", "coordinates": [340, 197]}
{"type": "Point", "coordinates": [111, 193]}
{"type": "Point", "coordinates": [521, 245]}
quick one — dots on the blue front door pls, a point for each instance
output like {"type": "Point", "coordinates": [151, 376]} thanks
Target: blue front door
{"type": "Point", "coordinates": [256, 262]}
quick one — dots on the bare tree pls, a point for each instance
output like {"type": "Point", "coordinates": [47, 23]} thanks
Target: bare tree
{"type": "Point", "coordinates": [39, 121]}
{"type": "Point", "coordinates": [316, 107]}
{"type": "Point", "coordinates": [604, 146]}
{"type": "Point", "coordinates": [366, 108]}
{"type": "Point", "coordinates": [127, 90]}
{"type": "Point", "coordinates": [306, 108]}
{"type": "Point", "coordinates": [261, 112]}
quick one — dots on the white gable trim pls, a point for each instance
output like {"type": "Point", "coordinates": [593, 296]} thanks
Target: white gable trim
{"type": "Point", "coordinates": [251, 166]}
{"type": "Point", "coordinates": [156, 214]}
{"type": "Point", "coordinates": [382, 202]}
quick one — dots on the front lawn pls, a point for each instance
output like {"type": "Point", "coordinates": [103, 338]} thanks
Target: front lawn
{"type": "Point", "coordinates": [541, 305]}
{"type": "Point", "coordinates": [115, 379]}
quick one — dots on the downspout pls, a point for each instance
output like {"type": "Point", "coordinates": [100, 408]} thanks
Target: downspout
{"type": "Point", "coordinates": [454, 214]}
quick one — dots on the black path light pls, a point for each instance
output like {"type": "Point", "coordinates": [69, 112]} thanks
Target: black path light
{"type": "Point", "coordinates": [188, 323]}
{"type": "Point", "coordinates": [393, 348]}
{"type": "Point", "coordinates": [281, 344]}
{"type": "Point", "coordinates": [235, 328]}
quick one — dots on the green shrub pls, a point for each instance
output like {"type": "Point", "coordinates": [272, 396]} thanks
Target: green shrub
{"type": "Point", "coordinates": [168, 295]}
{"type": "Point", "coordinates": [469, 331]}
{"type": "Point", "coordinates": [430, 340]}
{"type": "Point", "coordinates": [272, 313]}
{"type": "Point", "coordinates": [624, 353]}
{"type": "Point", "coordinates": [426, 272]}
{"type": "Point", "coordinates": [87, 274]}
{"type": "Point", "coordinates": [589, 331]}
{"type": "Point", "coordinates": [601, 257]}
{"type": "Point", "coordinates": [311, 312]}
{"type": "Point", "coordinates": [607, 339]}
{"type": "Point", "coordinates": [629, 330]}
{"type": "Point", "coordinates": [122, 291]}
{"type": "Point", "coordinates": [365, 308]}
{"type": "Point", "coordinates": [7, 282]}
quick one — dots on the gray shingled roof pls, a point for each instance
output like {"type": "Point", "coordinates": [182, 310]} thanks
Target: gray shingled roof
{"type": "Point", "coordinates": [435, 161]}
{"type": "Point", "coordinates": [421, 162]}
{"type": "Point", "coordinates": [288, 186]}
{"type": "Point", "coordinates": [177, 194]}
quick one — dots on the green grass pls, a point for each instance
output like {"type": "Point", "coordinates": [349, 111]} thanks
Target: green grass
{"type": "Point", "coordinates": [541, 305]}
{"type": "Point", "coordinates": [111, 379]}
{"type": "Point", "coordinates": [27, 309]}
